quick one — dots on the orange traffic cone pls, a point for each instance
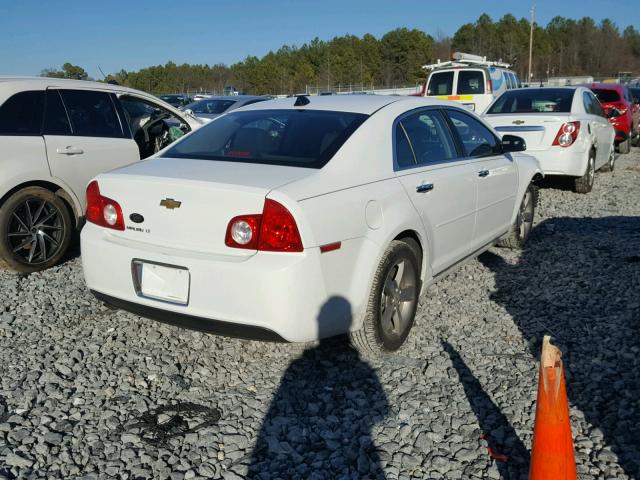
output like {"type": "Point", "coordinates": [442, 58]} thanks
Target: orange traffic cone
{"type": "Point", "coordinates": [552, 456]}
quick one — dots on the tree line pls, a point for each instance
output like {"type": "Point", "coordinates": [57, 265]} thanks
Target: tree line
{"type": "Point", "coordinates": [563, 47]}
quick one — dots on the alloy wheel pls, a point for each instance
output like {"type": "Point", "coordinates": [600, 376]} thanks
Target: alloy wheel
{"type": "Point", "coordinates": [525, 215]}
{"type": "Point", "coordinates": [35, 231]}
{"type": "Point", "coordinates": [398, 298]}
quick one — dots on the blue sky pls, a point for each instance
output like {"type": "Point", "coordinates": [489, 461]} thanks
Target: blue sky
{"type": "Point", "coordinates": [137, 33]}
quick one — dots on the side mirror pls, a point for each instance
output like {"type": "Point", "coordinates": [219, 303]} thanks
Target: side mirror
{"type": "Point", "coordinates": [512, 143]}
{"type": "Point", "coordinates": [613, 113]}
{"type": "Point", "coordinates": [188, 111]}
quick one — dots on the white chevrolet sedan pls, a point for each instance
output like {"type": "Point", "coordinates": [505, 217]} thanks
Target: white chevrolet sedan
{"type": "Point", "coordinates": [565, 128]}
{"type": "Point", "coordinates": [302, 218]}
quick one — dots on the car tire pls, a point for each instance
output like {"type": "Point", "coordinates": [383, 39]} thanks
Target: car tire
{"type": "Point", "coordinates": [624, 147]}
{"type": "Point", "coordinates": [393, 300]}
{"type": "Point", "coordinates": [35, 230]}
{"type": "Point", "coordinates": [584, 184]}
{"type": "Point", "coordinates": [611, 163]}
{"type": "Point", "coordinates": [523, 224]}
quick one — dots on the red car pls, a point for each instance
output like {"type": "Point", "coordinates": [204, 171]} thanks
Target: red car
{"type": "Point", "coordinates": [627, 124]}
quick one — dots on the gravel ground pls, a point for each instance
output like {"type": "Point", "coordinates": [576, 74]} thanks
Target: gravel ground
{"type": "Point", "coordinates": [88, 392]}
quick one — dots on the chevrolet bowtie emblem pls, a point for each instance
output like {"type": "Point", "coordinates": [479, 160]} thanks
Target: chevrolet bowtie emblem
{"type": "Point", "coordinates": [170, 203]}
{"type": "Point", "coordinates": [518, 122]}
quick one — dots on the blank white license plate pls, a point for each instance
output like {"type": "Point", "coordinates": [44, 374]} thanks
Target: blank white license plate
{"type": "Point", "coordinates": [161, 282]}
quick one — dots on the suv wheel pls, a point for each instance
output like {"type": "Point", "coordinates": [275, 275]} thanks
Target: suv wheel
{"type": "Point", "coordinates": [393, 300]}
{"type": "Point", "coordinates": [35, 230]}
{"type": "Point", "coordinates": [624, 147]}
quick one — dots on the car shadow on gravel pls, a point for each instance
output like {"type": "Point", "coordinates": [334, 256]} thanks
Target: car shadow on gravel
{"type": "Point", "coordinates": [319, 422]}
{"type": "Point", "coordinates": [578, 280]}
{"type": "Point", "coordinates": [503, 443]}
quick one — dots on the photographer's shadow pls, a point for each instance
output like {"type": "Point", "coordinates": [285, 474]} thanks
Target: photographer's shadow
{"type": "Point", "coordinates": [319, 422]}
{"type": "Point", "coordinates": [579, 281]}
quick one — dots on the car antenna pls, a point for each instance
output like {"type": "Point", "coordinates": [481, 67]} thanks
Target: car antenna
{"type": "Point", "coordinates": [301, 101]}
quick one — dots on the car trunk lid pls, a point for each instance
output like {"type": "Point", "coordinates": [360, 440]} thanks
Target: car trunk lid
{"type": "Point", "coordinates": [187, 204]}
{"type": "Point", "coordinates": [538, 130]}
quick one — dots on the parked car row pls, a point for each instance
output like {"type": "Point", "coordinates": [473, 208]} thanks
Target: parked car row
{"type": "Point", "coordinates": [286, 219]}
{"type": "Point", "coordinates": [290, 219]}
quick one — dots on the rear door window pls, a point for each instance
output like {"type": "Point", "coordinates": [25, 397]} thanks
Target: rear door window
{"type": "Point", "coordinates": [478, 140]}
{"type": "Point", "coordinates": [21, 114]}
{"type": "Point", "coordinates": [92, 114]}
{"type": "Point", "coordinates": [56, 121]}
{"type": "Point", "coordinates": [299, 138]}
{"type": "Point", "coordinates": [440, 83]}
{"type": "Point", "coordinates": [470, 82]}
{"type": "Point", "coordinates": [429, 136]}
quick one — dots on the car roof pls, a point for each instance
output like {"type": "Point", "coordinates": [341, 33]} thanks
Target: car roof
{"type": "Point", "coordinates": [366, 104]}
{"type": "Point", "coordinates": [233, 97]}
{"type": "Point", "coordinates": [44, 82]}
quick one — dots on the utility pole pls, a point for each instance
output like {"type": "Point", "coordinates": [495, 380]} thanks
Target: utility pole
{"type": "Point", "coordinates": [533, 13]}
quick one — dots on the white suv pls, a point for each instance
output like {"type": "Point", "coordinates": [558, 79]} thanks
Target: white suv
{"type": "Point", "coordinates": [55, 136]}
{"type": "Point", "coordinates": [471, 80]}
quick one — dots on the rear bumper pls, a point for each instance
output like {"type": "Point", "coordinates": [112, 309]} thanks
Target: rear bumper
{"type": "Point", "coordinates": [571, 161]}
{"type": "Point", "coordinates": [217, 327]}
{"type": "Point", "coordinates": [275, 296]}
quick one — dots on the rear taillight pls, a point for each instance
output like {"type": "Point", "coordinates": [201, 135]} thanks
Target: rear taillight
{"type": "Point", "coordinates": [567, 134]}
{"type": "Point", "coordinates": [102, 210]}
{"type": "Point", "coordinates": [275, 230]}
{"type": "Point", "coordinates": [489, 86]}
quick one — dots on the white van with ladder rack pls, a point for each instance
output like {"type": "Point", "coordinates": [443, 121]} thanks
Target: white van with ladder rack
{"type": "Point", "coordinates": [470, 79]}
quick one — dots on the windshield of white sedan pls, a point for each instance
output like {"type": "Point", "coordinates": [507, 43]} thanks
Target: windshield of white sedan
{"type": "Point", "coordinates": [540, 100]}
{"type": "Point", "coordinates": [300, 138]}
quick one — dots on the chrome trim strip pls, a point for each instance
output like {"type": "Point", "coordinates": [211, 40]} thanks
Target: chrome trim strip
{"type": "Point", "coordinates": [530, 128]}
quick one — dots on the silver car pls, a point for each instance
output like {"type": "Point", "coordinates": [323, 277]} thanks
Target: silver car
{"type": "Point", "coordinates": [212, 107]}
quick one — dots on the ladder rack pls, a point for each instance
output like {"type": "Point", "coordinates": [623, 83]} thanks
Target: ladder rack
{"type": "Point", "coordinates": [460, 59]}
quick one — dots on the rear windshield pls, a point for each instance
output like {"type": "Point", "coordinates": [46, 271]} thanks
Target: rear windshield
{"type": "Point", "coordinates": [470, 82]}
{"type": "Point", "coordinates": [299, 138]}
{"type": "Point", "coordinates": [606, 95]}
{"type": "Point", "coordinates": [533, 100]}
{"type": "Point", "coordinates": [440, 83]}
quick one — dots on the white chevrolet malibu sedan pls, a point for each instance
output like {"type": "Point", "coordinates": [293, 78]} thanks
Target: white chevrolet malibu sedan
{"type": "Point", "coordinates": [565, 128]}
{"type": "Point", "coordinates": [302, 218]}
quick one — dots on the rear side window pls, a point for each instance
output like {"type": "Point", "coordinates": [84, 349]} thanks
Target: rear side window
{"type": "Point", "coordinates": [92, 114]}
{"type": "Point", "coordinates": [534, 100]}
{"type": "Point", "coordinates": [299, 138]}
{"type": "Point", "coordinates": [21, 114]}
{"type": "Point", "coordinates": [56, 121]}
{"type": "Point", "coordinates": [606, 95]}
{"type": "Point", "coordinates": [404, 153]}
{"type": "Point", "coordinates": [470, 82]}
{"type": "Point", "coordinates": [478, 141]}
{"type": "Point", "coordinates": [429, 137]}
{"type": "Point", "coordinates": [440, 83]}
{"type": "Point", "coordinates": [596, 108]}
{"type": "Point", "coordinates": [517, 80]}
{"type": "Point", "coordinates": [511, 80]}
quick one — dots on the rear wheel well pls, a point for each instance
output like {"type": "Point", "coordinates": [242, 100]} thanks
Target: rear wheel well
{"type": "Point", "coordinates": [412, 235]}
{"type": "Point", "coordinates": [53, 188]}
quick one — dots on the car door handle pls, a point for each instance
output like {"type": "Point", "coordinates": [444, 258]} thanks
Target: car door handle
{"type": "Point", "coordinates": [424, 187]}
{"type": "Point", "coordinates": [70, 150]}
{"type": "Point", "coordinates": [483, 173]}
